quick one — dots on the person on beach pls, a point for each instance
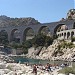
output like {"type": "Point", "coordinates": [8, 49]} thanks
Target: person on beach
{"type": "Point", "coordinates": [48, 67]}
{"type": "Point", "coordinates": [62, 65]}
{"type": "Point", "coordinates": [35, 70]}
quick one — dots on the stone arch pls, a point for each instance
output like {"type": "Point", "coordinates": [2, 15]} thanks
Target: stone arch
{"type": "Point", "coordinates": [15, 35]}
{"type": "Point", "coordinates": [44, 30]}
{"type": "Point", "coordinates": [60, 27]}
{"type": "Point", "coordinates": [68, 35]}
{"type": "Point", "coordinates": [3, 36]}
{"type": "Point", "coordinates": [72, 33]}
{"type": "Point", "coordinates": [64, 35]}
{"type": "Point", "coordinates": [28, 33]}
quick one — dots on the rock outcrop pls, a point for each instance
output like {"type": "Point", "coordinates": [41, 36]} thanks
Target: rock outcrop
{"type": "Point", "coordinates": [67, 54]}
{"type": "Point", "coordinates": [71, 14]}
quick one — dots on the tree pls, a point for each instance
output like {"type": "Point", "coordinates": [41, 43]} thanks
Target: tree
{"type": "Point", "coordinates": [27, 44]}
{"type": "Point", "coordinates": [48, 41]}
{"type": "Point", "coordinates": [39, 40]}
{"type": "Point", "coordinates": [73, 39]}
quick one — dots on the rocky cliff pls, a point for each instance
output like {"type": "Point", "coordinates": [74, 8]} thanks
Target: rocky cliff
{"type": "Point", "coordinates": [53, 53]}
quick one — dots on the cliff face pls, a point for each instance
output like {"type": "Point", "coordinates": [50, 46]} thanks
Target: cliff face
{"type": "Point", "coordinates": [52, 54]}
{"type": "Point", "coordinates": [6, 21]}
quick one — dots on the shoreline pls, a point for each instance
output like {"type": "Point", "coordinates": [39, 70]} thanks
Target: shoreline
{"type": "Point", "coordinates": [13, 68]}
{"type": "Point", "coordinates": [54, 58]}
{"type": "Point", "coordinates": [23, 60]}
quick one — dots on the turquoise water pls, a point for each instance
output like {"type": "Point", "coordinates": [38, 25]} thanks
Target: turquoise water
{"type": "Point", "coordinates": [32, 61]}
{"type": "Point", "coordinates": [37, 61]}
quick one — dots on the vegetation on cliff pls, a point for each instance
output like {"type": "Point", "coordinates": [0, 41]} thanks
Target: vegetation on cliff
{"type": "Point", "coordinates": [68, 70]}
{"type": "Point", "coordinates": [63, 44]}
{"type": "Point", "coordinates": [38, 40]}
{"type": "Point", "coordinates": [73, 39]}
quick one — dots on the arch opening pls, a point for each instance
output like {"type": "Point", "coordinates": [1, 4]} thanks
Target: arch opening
{"type": "Point", "coordinates": [68, 35]}
{"type": "Point", "coordinates": [72, 34]}
{"type": "Point", "coordinates": [15, 36]}
{"type": "Point", "coordinates": [64, 35]}
{"type": "Point", "coordinates": [3, 37]}
{"type": "Point", "coordinates": [44, 30]}
{"type": "Point", "coordinates": [28, 34]}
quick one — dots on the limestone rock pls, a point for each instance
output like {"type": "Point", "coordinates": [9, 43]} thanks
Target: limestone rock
{"type": "Point", "coordinates": [47, 53]}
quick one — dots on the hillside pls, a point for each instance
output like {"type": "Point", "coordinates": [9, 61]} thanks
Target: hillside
{"type": "Point", "coordinates": [7, 21]}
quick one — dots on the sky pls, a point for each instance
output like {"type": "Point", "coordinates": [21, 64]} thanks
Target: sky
{"type": "Point", "coordinates": [44, 11]}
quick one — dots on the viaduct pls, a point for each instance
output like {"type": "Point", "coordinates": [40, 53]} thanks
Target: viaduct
{"type": "Point", "coordinates": [53, 26]}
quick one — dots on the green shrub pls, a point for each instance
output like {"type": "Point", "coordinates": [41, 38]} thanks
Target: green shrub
{"type": "Point", "coordinates": [27, 44]}
{"type": "Point", "coordinates": [41, 40]}
{"type": "Point", "coordinates": [65, 44]}
{"type": "Point", "coordinates": [73, 39]}
{"type": "Point", "coordinates": [67, 70]}
{"type": "Point", "coordinates": [25, 50]}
